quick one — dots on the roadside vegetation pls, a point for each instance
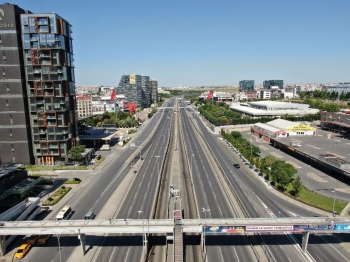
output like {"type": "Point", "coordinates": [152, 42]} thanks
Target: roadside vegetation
{"type": "Point", "coordinates": [119, 119]}
{"type": "Point", "coordinates": [281, 174]}
{"type": "Point", "coordinates": [53, 168]}
{"type": "Point", "coordinates": [57, 196]}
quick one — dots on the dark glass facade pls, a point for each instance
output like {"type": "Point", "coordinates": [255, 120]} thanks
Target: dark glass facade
{"type": "Point", "coordinates": [246, 85]}
{"type": "Point", "coordinates": [273, 83]}
{"type": "Point", "coordinates": [15, 131]}
{"type": "Point", "coordinates": [136, 88]}
{"type": "Point", "coordinates": [154, 91]}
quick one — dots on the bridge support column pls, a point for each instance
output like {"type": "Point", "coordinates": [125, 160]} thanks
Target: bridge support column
{"type": "Point", "coordinates": [82, 242]}
{"type": "Point", "coordinates": [305, 241]}
{"type": "Point", "coordinates": [2, 245]}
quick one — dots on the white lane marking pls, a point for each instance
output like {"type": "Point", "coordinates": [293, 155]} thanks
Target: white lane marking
{"type": "Point", "coordinates": [334, 248]}
{"type": "Point", "coordinates": [110, 258]}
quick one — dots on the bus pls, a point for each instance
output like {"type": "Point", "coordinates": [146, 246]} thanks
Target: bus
{"type": "Point", "coordinates": [65, 213]}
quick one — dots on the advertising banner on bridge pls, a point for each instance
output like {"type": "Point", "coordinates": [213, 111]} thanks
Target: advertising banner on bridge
{"type": "Point", "coordinates": [269, 228]}
{"type": "Point", "coordinates": [224, 229]}
{"type": "Point", "coordinates": [327, 227]}
{"type": "Point", "coordinates": [342, 227]}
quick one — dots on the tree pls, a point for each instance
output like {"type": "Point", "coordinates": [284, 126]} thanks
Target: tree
{"type": "Point", "coordinates": [75, 153]}
{"type": "Point", "coordinates": [284, 179]}
{"type": "Point", "coordinates": [297, 186]}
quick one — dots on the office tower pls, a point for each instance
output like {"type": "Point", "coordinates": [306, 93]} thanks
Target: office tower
{"type": "Point", "coordinates": [136, 89]}
{"type": "Point", "coordinates": [246, 85]}
{"type": "Point", "coordinates": [273, 84]}
{"type": "Point", "coordinates": [15, 133]}
{"type": "Point", "coordinates": [146, 91]}
{"type": "Point", "coordinates": [154, 91]}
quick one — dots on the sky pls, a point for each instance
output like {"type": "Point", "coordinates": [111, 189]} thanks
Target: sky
{"type": "Point", "coordinates": [204, 43]}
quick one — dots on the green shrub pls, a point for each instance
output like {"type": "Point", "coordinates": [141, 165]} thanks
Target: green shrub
{"type": "Point", "coordinates": [57, 196]}
{"type": "Point", "coordinates": [72, 182]}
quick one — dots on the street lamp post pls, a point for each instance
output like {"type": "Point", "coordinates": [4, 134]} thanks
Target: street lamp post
{"type": "Point", "coordinates": [307, 177]}
{"type": "Point", "coordinates": [143, 236]}
{"type": "Point", "coordinates": [191, 164]}
{"type": "Point", "coordinates": [140, 146]}
{"type": "Point", "coordinates": [333, 191]}
{"type": "Point", "coordinates": [58, 239]}
{"type": "Point", "coordinates": [205, 217]}
{"type": "Point", "coordinates": [158, 165]}
{"type": "Point", "coordinates": [269, 168]}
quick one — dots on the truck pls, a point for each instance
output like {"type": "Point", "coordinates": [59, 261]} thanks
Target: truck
{"type": "Point", "coordinates": [295, 144]}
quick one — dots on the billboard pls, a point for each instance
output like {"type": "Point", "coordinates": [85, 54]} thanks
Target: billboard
{"type": "Point", "coordinates": [337, 228]}
{"type": "Point", "coordinates": [132, 79]}
{"type": "Point", "coordinates": [224, 229]}
{"type": "Point", "coordinates": [301, 228]}
{"type": "Point", "coordinates": [272, 228]}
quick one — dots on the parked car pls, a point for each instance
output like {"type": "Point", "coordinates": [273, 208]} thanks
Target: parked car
{"type": "Point", "coordinates": [236, 165]}
{"type": "Point", "coordinates": [43, 239]}
{"type": "Point", "coordinates": [22, 251]}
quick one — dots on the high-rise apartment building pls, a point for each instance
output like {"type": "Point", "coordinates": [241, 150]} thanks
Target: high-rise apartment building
{"type": "Point", "coordinates": [48, 60]}
{"type": "Point", "coordinates": [37, 87]}
{"type": "Point", "coordinates": [273, 84]}
{"type": "Point", "coordinates": [154, 91]}
{"type": "Point", "coordinates": [136, 89]}
{"type": "Point", "coordinates": [246, 85]}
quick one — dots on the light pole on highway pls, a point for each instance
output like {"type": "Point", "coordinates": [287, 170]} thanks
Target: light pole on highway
{"type": "Point", "coordinates": [205, 217]}
{"type": "Point", "coordinates": [158, 165]}
{"type": "Point", "coordinates": [140, 146]}
{"type": "Point", "coordinates": [191, 164]}
{"type": "Point", "coordinates": [333, 191]}
{"type": "Point", "coordinates": [143, 236]}
{"type": "Point", "coordinates": [307, 177]}
{"type": "Point", "coordinates": [58, 238]}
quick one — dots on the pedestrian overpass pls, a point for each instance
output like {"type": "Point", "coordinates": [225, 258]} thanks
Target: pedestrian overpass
{"type": "Point", "coordinates": [81, 228]}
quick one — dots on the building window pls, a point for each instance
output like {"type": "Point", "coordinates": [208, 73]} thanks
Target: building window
{"type": "Point", "coordinates": [3, 72]}
{"type": "Point", "coordinates": [10, 133]}
{"type": "Point", "coordinates": [0, 41]}
{"type": "Point", "coordinates": [11, 120]}
{"type": "Point", "coordinates": [12, 149]}
{"type": "Point", "coordinates": [13, 159]}
{"type": "Point", "coordinates": [4, 56]}
{"type": "Point", "coordinates": [8, 88]}
{"type": "Point", "coordinates": [7, 103]}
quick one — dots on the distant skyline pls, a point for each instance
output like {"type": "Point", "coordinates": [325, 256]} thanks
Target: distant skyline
{"type": "Point", "coordinates": [203, 43]}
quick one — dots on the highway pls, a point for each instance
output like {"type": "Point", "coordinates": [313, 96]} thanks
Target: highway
{"type": "Point", "coordinates": [139, 202]}
{"type": "Point", "coordinates": [260, 201]}
{"type": "Point", "coordinates": [210, 196]}
{"type": "Point", "coordinates": [95, 191]}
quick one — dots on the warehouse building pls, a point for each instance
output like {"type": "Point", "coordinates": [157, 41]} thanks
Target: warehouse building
{"type": "Point", "coordinates": [280, 128]}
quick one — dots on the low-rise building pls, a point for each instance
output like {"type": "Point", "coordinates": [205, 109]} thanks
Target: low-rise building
{"type": "Point", "coordinates": [338, 122]}
{"type": "Point", "coordinates": [84, 106]}
{"type": "Point", "coordinates": [280, 128]}
{"type": "Point", "coordinates": [272, 108]}
{"type": "Point", "coordinates": [264, 94]}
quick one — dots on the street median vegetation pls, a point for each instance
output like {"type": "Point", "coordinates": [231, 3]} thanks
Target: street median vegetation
{"type": "Point", "coordinates": [57, 196]}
